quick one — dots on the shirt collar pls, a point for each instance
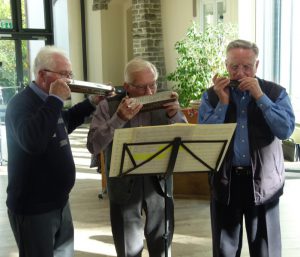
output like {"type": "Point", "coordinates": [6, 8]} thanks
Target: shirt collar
{"type": "Point", "coordinates": [38, 91]}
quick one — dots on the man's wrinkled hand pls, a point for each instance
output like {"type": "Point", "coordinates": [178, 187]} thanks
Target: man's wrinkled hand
{"type": "Point", "coordinates": [251, 84]}
{"type": "Point", "coordinates": [60, 88]}
{"type": "Point", "coordinates": [221, 88]}
{"type": "Point", "coordinates": [128, 108]}
{"type": "Point", "coordinates": [172, 107]}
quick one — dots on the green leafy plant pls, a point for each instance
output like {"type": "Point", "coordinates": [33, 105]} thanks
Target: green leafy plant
{"type": "Point", "coordinates": [201, 54]}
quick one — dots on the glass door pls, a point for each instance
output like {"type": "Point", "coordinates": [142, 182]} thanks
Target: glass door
{"type": "Point", "coordinates": [22, 34]}
{"type": "Point", "coordinates": [8, 76]}
{"type": "Point", "coordinates": [25, 26]}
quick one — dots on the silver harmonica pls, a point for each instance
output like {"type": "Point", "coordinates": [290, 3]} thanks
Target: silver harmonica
{"type": "Point", "coordinates": [155, 101]}
{"type": "Point", "coordinates": [85, 87]}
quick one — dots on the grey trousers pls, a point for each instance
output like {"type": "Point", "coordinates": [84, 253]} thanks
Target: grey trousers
{"type": "Point", "coordinates": [49, 234]}
{"type": "Point", "coordinates": [261, 222]}
{"type": "Point", "coordinates": [129, 226]}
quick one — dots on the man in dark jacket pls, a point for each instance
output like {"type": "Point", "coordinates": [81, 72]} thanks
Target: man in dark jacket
{"type": "Point", "coordinates": [251, 178]}
{"type": "Point", "coordinates": [41, 170]}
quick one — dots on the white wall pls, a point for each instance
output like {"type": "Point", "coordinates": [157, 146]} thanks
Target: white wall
{"type": "Point", "coordinates": [61, 22]}
{"type": "Point", "coordinates": [177, 16]}
{"type": "Point", "coordinates": [75, 44]}
{"type": "Point", "coordinates": [93, 43]}
{"type": "Point", "coordinates": [107, 33]}
{"type": "Point", "coordinates": [113, 43]}
{"type": "Point", "coordinates": [106, 42]}
{"type": "Point", "coordinates": [107, 45]}
{"type": "Point", "coordinates": [246, 19]}
{"type": "Point", "coordinates": [67, 35]}
{"type": "Point", "coordinates": [231, 14]}
{"type": "Point", "coordinates": [74, 32]}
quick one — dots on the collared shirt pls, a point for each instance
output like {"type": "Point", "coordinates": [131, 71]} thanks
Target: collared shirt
{"type": "Point", "coordinates": [62, 132]}
{"type": "Point", "coordinates": [279, 116]}
{"type": "Point", "coordinates": [40, 92]}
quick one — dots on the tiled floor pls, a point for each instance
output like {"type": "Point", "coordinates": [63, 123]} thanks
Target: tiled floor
{"type": "Point", "coordinates": [192, 229]}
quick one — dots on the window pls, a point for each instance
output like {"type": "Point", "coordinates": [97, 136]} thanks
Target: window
{"type": "Point", "coordinates": [289, 51]}
{"type": "Point", "coordinates": [29, 18]}
{"type": "Point", "coordinates": [278, 38]}
{"type": "Point", "coordinates": [22, 34]}
{"type": "Point", "coordinates": [212, 12]}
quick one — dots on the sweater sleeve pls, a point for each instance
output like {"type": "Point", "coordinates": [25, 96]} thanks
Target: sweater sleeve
{"type": "Point", "coordinates": [75, 116]}
{"type": "Point", "coordinates": [102, 128]}
{"type": "Point", "coordinates": [32, 122]}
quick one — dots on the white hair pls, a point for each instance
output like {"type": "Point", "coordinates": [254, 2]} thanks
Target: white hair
{"type": "Point", "coordinates": [138, 64]}
{"type": "Point", "coordinates": [45, 60]}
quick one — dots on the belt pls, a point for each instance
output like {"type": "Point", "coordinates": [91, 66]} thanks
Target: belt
{"type": "Point", "coordinates": [242, 170]}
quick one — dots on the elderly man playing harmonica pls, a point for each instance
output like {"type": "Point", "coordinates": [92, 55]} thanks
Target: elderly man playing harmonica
{"type": "Point", "coordinates": [132, 196]}
{"type": "Point", "coordinates": [41, 169]}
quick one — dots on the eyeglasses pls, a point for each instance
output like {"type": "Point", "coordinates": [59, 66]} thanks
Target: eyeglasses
{"type": "Point", "coordinates": [245, 68]}
{"type": "Point", "coordinates": [63, 74]}
{"type": "Point", "coordinates": [144, 87]}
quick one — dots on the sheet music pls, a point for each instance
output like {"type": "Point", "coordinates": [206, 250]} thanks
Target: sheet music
{"type": "Point", "coordinates": [213, 137]}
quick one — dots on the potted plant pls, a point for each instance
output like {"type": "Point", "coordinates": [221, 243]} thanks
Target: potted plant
{"type": "Point", "coordinates": [201, 54]}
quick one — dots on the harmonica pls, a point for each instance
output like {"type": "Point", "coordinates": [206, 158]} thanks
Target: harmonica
{"type": "Point", "coordinates": [85, 87]}
{"type": "Point", "coordinates": [234, 83]}
{"type": "Point", "coordinates": [155, 101]}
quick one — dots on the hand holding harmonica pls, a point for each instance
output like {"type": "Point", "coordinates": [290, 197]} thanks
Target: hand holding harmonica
{"type": "Point", "coordinates": [60, 89]}
{"type": "Point", "coordinates": [251, 85]}
{"type": "Point", "coordinates": [157, 100]}
{"type": "Point", "coordinates": [128, 108]}
{"type": "Point", "coordinates": [221, 88]}
{"type": "Point", "coordinates": [234, 83]}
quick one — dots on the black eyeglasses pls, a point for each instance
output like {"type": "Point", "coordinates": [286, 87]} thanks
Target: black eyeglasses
{"type": "Point", "coordinates": [63, 74]}
{"type": "Point", "coordinates": [144, 87]}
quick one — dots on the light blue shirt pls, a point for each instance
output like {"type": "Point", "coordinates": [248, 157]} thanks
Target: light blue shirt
{"type": "Point", "coordinates": [278, 115]}
{"type": "Point", "coordinates": [41, 93]}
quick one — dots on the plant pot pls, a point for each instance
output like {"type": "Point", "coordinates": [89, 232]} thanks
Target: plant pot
{"type": "Point", "coordinates": [191, 115]}
{"type": "Point", "coordinates": [194, 104]}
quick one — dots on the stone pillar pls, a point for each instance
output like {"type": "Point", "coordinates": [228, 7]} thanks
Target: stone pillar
{"type": "Point", "coordinates": [147, 34]}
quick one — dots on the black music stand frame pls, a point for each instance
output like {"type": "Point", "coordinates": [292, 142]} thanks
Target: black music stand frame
{"type": "Point", "coordinates": [175, 144]}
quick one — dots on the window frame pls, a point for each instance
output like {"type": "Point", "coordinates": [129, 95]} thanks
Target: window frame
{"type": "Point", "coordinates": [18, 34]}
{"type": "Point", "coordinates": [277, 37]}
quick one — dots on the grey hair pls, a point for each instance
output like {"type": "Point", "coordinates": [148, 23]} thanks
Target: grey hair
{"type": "Point", "coordinates": [45, 60]}
{"type": "Point", "coordinates": [239, 43]}
{"type": "Point", "coordinates": [136, 65]}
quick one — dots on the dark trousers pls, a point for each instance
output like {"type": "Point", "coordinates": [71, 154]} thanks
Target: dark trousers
{"type": "Point", "coordinates": [129, 226]}
{"type": "Point", "coordinates": [261, 222]}
{"type": "Point", "coordinates": [49, 234]}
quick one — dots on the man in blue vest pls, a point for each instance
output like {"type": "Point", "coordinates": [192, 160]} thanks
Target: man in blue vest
{"type": "Point", "coordinates": [131, 196]}
{"type": "Point", "coordinates": [251, 179]}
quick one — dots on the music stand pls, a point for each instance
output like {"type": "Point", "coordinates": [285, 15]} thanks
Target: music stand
{"type": "Point", "coordinates": [134, 149]}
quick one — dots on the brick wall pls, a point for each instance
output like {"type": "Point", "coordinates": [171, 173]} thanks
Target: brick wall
{"type": "Point", "coordinates": [147, 34]}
